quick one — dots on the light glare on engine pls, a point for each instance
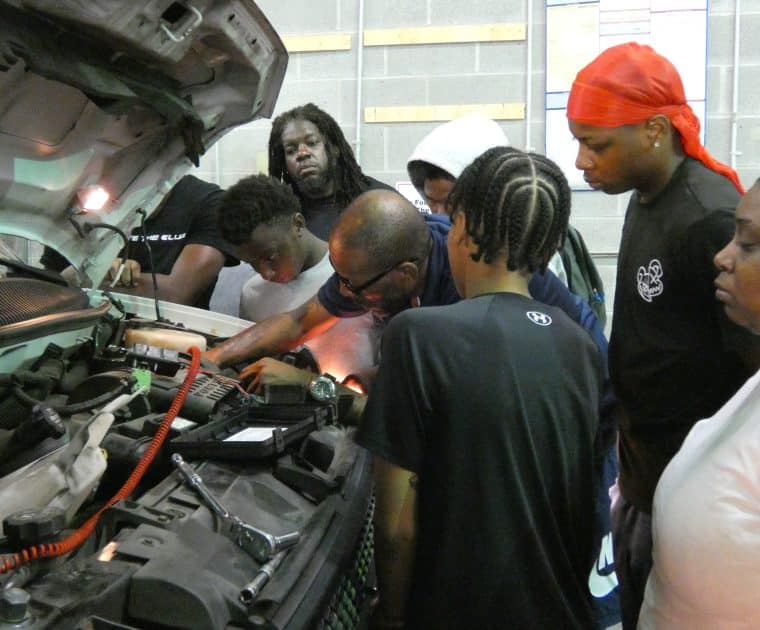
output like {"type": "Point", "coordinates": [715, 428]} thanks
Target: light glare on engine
{"type": "Point", "coordinates": [93, 198]}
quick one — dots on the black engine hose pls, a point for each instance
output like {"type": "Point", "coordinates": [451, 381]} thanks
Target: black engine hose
{"type": "Point", "coordinates": [26, 377]}
{"type": "Point", "coordinates": [124, 386]}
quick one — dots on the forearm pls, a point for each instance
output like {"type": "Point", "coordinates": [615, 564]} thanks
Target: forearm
{"type": "Point", "coordinates": [193, 272]}
{"type": "Point", "coordinates": [395, 538]}
{"type": "Point", "coordinates": [274, 334]}
{"type": "Point", "coordinates": [393, 560]}
{"type": "Point", "coordinates": [170, 289]}
{"type": "Point", "coordinates": [270, 336]}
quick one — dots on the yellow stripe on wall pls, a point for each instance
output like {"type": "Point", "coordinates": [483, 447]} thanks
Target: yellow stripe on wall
{"type": "Point", "coordinates": [433, 113]}
{"type": "Point", "coordinates": [316, 43]}
{"type": "Point", "coordinates": [445, 34]}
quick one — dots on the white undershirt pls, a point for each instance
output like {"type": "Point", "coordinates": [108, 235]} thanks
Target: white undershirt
{"type": "Point", "coordinates": [261, 298]}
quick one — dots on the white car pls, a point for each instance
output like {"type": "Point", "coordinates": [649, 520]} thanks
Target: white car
{"type": "Point", "coordinates": [137, 490]}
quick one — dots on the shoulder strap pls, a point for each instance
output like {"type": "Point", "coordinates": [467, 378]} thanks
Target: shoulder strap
{"type": "Point", "coordinates": [582, 275]}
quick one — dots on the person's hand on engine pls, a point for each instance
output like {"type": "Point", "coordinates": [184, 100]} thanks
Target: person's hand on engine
{"type": "Point", "coordinates": [270, 371]}
{"type": "Point", "coordinates": [212, 355]}
{"type": "Point", "coordinates": [123, 273]}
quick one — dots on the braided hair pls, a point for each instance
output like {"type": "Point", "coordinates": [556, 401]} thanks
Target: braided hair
{"type": "Point", "coordinates": [251, 202]}
{"type": "Point", "coordinates": [516, 200]}
{"type": "Point", "coordinates": [350, 182]}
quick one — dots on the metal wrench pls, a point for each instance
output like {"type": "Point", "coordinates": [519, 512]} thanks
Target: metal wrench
{"type": "Point", "coordinates": [259, 544]}
{"type": "Point", "coordinates": [250, 591]}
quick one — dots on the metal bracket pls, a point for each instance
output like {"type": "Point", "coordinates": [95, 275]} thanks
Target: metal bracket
{"type": "Point", "coordinates": [197, 19]}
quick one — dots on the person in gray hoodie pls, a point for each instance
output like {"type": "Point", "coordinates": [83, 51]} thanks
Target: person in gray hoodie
{"type": "Point", "coordinates": [439, 159]}
{"type": "Point", "coordinates": [442, 155]}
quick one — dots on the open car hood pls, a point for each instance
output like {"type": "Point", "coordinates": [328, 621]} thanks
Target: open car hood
{"type": "Point", "coordinates": [123, 97]}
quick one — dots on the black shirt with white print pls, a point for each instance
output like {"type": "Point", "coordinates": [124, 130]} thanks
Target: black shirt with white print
{"type": "Point", "coordinates": [672, 348]}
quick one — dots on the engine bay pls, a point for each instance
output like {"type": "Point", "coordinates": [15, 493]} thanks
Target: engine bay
{"type": "Point", "coordinates": [141, 489]}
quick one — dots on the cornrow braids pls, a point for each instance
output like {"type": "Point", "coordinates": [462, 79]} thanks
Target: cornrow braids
{"type": "Point", "coordinates": [252, 201]}
{"type": "Point", "coordinates": [516, 200]}
{"type": "Point", "coordinates": [350, 181]}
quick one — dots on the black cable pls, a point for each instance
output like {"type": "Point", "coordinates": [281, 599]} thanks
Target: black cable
{"type": "Point", "coordinates": [89, 227]}
{"type": "Point", "coordinates": [77, 227]}
{"type": "Point", "coordinates": [115, 302]}
{"type": "Point", "coordinates": [144, 215]}
{"type": "Point", "coordinates": [86, 405]}
{"type": "Point", "coordinates": [25, 377]}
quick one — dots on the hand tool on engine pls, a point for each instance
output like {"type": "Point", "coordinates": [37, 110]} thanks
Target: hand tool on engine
{"type": "Point", "coordinates": [251, 591]}
{"type": "Point", "coordinates": [259, 544]}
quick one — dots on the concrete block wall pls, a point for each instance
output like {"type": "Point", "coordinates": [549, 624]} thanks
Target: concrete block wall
{"type": "Point", "coordinates": [466, 73]}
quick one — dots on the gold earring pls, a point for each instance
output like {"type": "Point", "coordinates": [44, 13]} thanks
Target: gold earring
{"type": "Point", "coordinates": [656, 144]}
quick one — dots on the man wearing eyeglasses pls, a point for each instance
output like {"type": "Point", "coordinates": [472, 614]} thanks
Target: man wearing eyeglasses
{"type": "Point", "coordinates": [387, 257]}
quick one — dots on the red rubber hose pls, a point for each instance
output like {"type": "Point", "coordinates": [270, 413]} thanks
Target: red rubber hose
{"type": "Point", "coordinates": [76, 538]}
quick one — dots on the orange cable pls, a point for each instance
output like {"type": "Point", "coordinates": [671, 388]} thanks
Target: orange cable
{"type": "Point", "coordinates": [76, 538]}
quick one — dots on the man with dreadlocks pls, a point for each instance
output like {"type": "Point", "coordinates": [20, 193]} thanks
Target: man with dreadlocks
{"type": "Point", "coordinates": [482, 420]}
{"type": "Point", "coordinates": [674, 355]}
{"type": "Point", "coordinates": [307, 149]}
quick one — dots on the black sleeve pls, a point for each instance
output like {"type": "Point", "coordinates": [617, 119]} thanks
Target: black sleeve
{"type": "Point", "coordinates": [204, 229]}
{"type": "Point", "coordinates": [201, 201]}
{"type": "Point", "coordinates": [52, 260]}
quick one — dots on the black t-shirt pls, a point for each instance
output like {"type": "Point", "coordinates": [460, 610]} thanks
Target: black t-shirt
{"type": "Point", "coordinates": [188, 215]}
{"type": "Point", "coordinates": [671, 349]}
{"type": "Point", "coordinates": [493, 402]}
{"type": "Point", "coordinates": [320, 214]}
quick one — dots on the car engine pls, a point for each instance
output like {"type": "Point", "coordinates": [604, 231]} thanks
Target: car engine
{"type": "Point", "coordinates": [140, 488]}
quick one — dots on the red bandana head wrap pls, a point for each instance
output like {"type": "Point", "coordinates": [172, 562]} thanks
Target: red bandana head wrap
{"type": "Point", "coordinates": [630, 83]}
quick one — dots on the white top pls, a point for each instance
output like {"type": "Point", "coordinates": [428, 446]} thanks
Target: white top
{"type": "Point", "coordinates": [706, 524]}
{"type": "Point", "coordinates": [453, 145]}
{"type": "Point", "coordinates": [349, 346]}
{"type": "Point", "coordinates": [229, 285]}
{"type": "Point", "coordinates": [558, 267]}
{"type": "Point", "coordinates": [261, 298]}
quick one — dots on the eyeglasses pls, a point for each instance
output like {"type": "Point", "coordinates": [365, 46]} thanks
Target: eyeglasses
{"type": "Point", "coordinates": [356, 290]}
